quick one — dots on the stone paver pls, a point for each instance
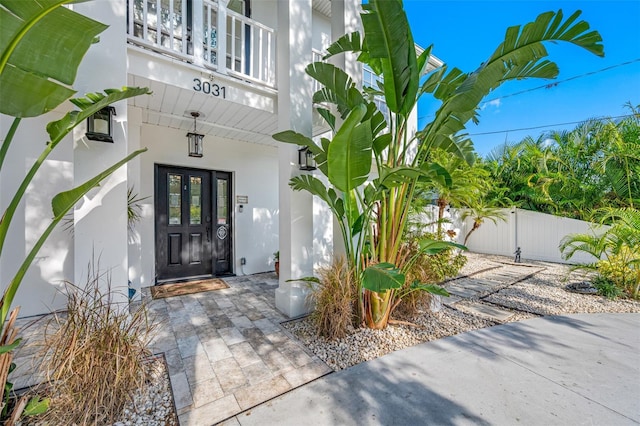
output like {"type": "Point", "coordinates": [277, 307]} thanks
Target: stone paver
{"type": "Point", "coordinates": [227, 351]}
{"type": "Point", "coordinates": [467, 293]}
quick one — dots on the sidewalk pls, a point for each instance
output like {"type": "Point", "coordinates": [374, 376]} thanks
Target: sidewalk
{"type": "Point", "coordinates": [558, 370]}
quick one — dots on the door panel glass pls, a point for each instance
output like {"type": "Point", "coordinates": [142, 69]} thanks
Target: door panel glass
{"type": "Point", "coordinates": [223, 201]}
{"type": "Point", "coordinates": [195, 198]}
{"type": "Point", "coordinates": [175, 199]}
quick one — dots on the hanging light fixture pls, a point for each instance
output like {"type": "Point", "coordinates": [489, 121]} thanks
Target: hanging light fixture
{"type": "Point", "coordinates": [194, 138]}
{"type": "Point", "coordinates": [100, 125]}
{"type": "Point", "coordinates": [305, 159]}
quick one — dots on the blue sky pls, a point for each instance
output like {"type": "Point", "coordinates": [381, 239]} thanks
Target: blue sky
{"type": "Point", "coordinates": [465, 33]}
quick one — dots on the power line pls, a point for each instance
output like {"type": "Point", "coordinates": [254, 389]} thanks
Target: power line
{"type": "Point", "coordinates": [553, 84]}
{"type": "Point", "coordinates": [543, 126]}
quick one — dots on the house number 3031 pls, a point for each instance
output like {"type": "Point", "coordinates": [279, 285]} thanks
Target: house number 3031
{"type": "Point", "coordinates": [209, 88]}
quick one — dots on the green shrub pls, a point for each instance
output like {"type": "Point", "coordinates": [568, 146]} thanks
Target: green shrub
{"type": "Point", "coordinates": [607, 287]}
{"type": "Point", "coordinates": [617, 269]}
{"type": "Point", "coordinates": [428, 269]}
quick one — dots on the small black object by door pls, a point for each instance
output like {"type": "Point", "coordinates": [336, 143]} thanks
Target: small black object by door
{"type": "Point", "coordinates": [193, 231]}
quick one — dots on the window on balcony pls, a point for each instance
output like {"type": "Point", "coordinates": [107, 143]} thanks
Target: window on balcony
{"type": "Point", "coordinates": [370, 79]}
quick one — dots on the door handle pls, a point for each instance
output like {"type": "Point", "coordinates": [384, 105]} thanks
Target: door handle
{"type": "Point", "coordinates": [208, 230]}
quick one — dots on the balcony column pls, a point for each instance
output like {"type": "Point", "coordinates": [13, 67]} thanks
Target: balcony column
{"type": "Point", "coordinates": [345, 19]}
{"type": "Point", "coordinates": [197, 31]}
{"type": "Point", "coordinates": [222, 36]}
{"type": "Point", "coordinates": [294, 112]}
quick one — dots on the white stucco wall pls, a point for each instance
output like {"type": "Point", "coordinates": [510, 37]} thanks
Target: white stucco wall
{"type": "Point", "coordinates": [254, 171]}
{"type": "Point", "coordinates": [321, 27]}
{"type": "Point", "coordinates": [40, 289]}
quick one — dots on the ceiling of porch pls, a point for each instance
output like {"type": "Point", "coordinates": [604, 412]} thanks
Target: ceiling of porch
{"type": "Point", "coordinates": [323, 6]}
{"type": "Point", "coordinates": [170, 106]}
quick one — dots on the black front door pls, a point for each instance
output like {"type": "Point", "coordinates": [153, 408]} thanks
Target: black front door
{"type": "Point", "coordinates": [193, 223]}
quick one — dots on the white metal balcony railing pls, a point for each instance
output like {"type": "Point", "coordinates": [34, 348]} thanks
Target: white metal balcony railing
{"type": "Point", "coordinates": [249, 46]}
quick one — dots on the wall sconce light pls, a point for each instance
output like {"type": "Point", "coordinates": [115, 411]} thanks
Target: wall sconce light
{"type": "Point", "coordinates": [305, 159]}
{"type": "Point", "coordinates": [100, 125]}
{"type": "Point", "coordinates": [195, 139]}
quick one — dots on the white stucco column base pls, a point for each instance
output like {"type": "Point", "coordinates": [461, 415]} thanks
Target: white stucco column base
{"type": "Point", "coordinates": [292, 299]}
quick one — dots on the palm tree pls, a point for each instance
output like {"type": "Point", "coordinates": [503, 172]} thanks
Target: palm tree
{"type": "Point", "coordinates": [479, 213]}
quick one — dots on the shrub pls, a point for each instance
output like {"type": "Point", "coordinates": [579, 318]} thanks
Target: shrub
{"type": "Point", "coordinates": [428, 269]}
{"type": "Point", "coordinates": [617, 270]}
{"type": "Point", "coordinates": [94, 355]}
{"type": "Point", "coordinates": [607, 287]}
{"type": "Point", "coordinates": [335, 298]}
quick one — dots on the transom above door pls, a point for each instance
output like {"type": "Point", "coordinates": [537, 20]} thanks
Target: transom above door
{"type": "Point", "coordinates": [193, 223]}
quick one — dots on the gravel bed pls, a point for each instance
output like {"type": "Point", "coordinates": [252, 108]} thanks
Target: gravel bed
{"type": "Point", "coordinates": [153, 405]}
{"type": "Point", "coordinates": [542, 294]}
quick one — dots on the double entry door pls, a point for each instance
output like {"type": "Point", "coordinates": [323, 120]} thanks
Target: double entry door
{"type": "Point", "coordinates": [193, 223]}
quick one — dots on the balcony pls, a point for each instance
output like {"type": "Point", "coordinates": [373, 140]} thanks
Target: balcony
{"type": "Point", "coordinates": [189, 30]}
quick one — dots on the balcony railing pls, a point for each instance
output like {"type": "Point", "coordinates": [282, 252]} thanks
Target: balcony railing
{"type": "Point", "coordinates": [170, 27]}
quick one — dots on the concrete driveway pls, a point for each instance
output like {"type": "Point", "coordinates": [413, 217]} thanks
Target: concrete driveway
{"type": "Point", "coordinates": [557, 370]}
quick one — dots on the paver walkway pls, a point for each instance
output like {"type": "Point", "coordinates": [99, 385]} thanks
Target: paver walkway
{"type": "Point", "coordinates": [466, 293]}
{"type": "Point", "coordinates": [225, 350]}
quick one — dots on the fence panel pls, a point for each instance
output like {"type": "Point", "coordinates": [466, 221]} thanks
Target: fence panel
{"type": "Point", "coordinates": [537, 234]}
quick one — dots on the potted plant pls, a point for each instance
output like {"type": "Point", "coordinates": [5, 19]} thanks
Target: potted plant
{"type": "Point", "coordinates": [276, 259]}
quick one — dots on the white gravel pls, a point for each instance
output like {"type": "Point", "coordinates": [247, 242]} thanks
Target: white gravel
{"type": "Point", "coordinates": [152, 405]}
{"type": "Point", "coordinates": [542, 294]}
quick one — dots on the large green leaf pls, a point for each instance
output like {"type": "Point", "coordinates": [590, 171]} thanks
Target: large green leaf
{"type": "Point", "coordinates": [349, 155]}
{"type": "Point", "coordinates": [388, 38]}
{"type": "Point", "coordinates": [521, 55]}
{"type": "Point", "coordinates": [382, 277]}
{"type": "Point", "coordinates": [315, 187]}
{"type": "Point", "coordinates": [431, 247]}
{"type": "Point", "coordinates": [289, 136]}
{"type": "Point", "coordinates": [430, 288]}
{"type": "Point", "coordinates": [33, 74]}
{"type": "Point", "coordinates": [338, 87]}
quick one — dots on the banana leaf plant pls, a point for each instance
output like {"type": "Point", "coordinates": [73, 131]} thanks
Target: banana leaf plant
{"type": "Point", "coordinates": [41, 46]}
{"type": "Point", "coordinates": [372, 207]}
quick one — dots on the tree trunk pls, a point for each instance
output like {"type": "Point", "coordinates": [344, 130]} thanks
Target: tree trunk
{"type": "Point", "coordinates": [377, 308]}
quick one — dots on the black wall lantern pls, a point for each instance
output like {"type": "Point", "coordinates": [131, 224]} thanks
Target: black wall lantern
{"type": "Point", "coordinates": [100, 125]}
{"type": "Point", "coordinates": [195, 139]}
{"type": "Point", "coordinates": [305, 159]}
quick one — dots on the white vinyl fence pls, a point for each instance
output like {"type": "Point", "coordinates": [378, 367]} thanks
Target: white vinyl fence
{"type": "Point", "coordinates": [537, 234]}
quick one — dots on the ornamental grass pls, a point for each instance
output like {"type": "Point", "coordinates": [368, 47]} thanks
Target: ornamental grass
{"type": "Point", "coordinates": [94, 354]}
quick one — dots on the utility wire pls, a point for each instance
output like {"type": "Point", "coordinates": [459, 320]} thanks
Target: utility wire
{"type": "Point", "coordinates": [546, 125]}
{"type": "Point", "coordinates": [553, 84]}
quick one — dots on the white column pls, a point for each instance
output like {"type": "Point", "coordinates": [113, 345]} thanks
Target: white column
{"type": "Point", "coordinates": [101, 218]}
{"type": "Point", "coordinates": [294, 112]}
{"type": "Point", "coordinates": [345, 19]}
{"type": "Point", "coordinates": [197, 32]}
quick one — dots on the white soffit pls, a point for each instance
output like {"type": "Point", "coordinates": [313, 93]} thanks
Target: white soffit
{"type": "Point", "coordinates": [169, 106]}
